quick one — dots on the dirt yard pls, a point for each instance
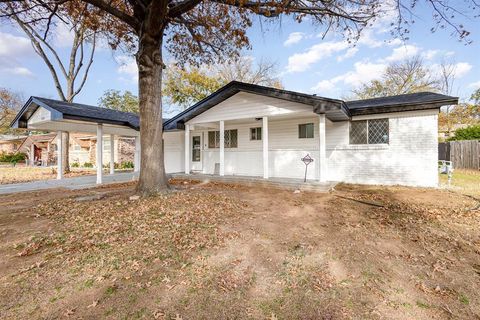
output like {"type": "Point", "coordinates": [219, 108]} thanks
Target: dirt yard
{"type": "Point", "coordinates": [19, 174]}
{"type": "Point", "coordinates": [215, 251]}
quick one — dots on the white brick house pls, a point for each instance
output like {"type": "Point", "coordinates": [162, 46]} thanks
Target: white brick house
{"type": "Point", "coordinates": [249, 130]}
{"type": "Point", "coordinates": [266, 132]}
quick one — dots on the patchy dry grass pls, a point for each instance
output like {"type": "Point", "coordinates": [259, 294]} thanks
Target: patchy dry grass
{"type": "Point", "coordinates": [216, 251]}
{"type": "Point", "coordinates": [10, 175]}
{"type": "Point", "coordinates": [464, 181]}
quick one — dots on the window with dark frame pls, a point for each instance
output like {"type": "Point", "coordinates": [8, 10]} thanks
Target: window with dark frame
{"type": "Point", "coordinates": [256, 133]}
{"type": "Point", "coordinates": [305, 130]}
{"type": "Point", "coordinates": [230, 139]}
{"type": "Point", "coordinates": [374, 131]}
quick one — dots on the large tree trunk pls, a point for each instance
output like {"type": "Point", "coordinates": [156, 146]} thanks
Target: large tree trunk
{"type": "Point", "coordinates": [150, 66]}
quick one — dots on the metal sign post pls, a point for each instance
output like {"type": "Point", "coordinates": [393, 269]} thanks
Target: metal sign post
{"type": "Point", "coordinates": [307, 160]}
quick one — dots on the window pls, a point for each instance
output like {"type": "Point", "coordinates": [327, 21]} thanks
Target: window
{"type": "Point", "coordinates": [106, 145]}
{"type": "Point", "coordinates": [77, 147]}
{"type": "Point", "coordinates": [373, 131]}
{"type": "Point", "coordinates": [256, 133]}
{"type": "Point", "coordinates": [230, 137]}
{"type": "Point", "coordinates": [305, 130]}
{"type": "Point", "coordinates": [196, 148]}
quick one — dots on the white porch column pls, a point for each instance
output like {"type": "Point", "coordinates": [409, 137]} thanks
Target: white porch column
{"type": "Point", "coordinates": [322, 149]}
{"type": "Point", "coordinates": [136, 155]}
{"type": "Point", "coordinates": [32, 155]}
{"type": "Point", "coordinates": [265, 146]}
{"type": "Point", "coordinates": [222, 148]}
{"type": "Point", "coordinates": [112, 154]}
{"type": "Point", "coordinates": [187, 149]}
{"type": "Point", "coordinates": [99, 160]}
{"type": "Point", "coordinates": [59, 155]}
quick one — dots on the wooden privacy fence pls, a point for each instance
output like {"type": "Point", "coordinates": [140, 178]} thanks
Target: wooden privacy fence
{"type": "Point", "coordinates": [464, 154]}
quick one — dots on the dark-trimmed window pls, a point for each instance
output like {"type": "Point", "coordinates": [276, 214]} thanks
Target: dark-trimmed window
{"type": "Point", "coordinates": [305, 130]}
{"type": "Point", "coordinates": [230, 137]}
{"type": "Point", "coordinates": [375, 131]}
{"type": "Point", "coordinates": [256, 133]}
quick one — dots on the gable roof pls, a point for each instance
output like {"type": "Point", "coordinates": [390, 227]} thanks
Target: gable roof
{"type": "Point", "coordinates": [334, 109]}
{"type": "Point", "coordinates": [403, 102]}
{"type": "Point", "coordinates": [75, 111]}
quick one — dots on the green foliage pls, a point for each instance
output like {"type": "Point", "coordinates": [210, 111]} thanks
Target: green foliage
{"type": "Point", "coordinates": [12, 157]}
{"type": "Point", "coordinates": [114, 99]}
{"type": "Point", "coordinates": [75, 165]}
{"type": "Point", "coordinates": [88, 165]}
{"type": "Point", "coordinates": [468, 133]}
{"type": "Point", "coordinates": [187, 87]}
{"type": "Point", "coordinates": [126, 165]}
{"type": "Point", "coordinates": [475, 97]}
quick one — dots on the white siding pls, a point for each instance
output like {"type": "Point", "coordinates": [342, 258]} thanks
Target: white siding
{"type": "Point", "coordinates": [285, 150]}
{"type": "Point", "coordinates": [409, 159]}
{"type": "Point", "coordinates": [174, 151]}
{"type": "Point", "coordinates": [249, 106]}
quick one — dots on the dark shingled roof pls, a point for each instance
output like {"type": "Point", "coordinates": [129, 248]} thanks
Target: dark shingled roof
{"type": "Point", "coordinates": [334, 109]}
{"type": "Point", "coordinates": [77, 111]}
{"type": "Point", "coordinates": [412, 101]}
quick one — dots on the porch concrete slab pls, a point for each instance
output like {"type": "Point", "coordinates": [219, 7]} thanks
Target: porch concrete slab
{"type": "Point", "coordinates": [282, 183]}
{"type": "Point", "coordinates": [82, 182]}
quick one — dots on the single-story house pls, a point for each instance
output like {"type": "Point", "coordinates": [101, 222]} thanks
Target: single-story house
{"type": "Point", "coordinates": [250, 130]}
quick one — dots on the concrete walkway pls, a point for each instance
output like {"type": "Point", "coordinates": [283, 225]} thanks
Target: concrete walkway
{"type": "Point", "coordinates": [82, 182]}
{"type": "Point", "coordinates": [282, 183]}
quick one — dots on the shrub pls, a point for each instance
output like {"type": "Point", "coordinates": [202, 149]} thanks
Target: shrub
{"type": "Point", "coordinates": [468, 133]}
{"type": "Point", "coordinates": [126, 165]}
{"type": "Point", "coordinates": [75, 165]}
{"type": "Point", "coordinates": [88, 165]}
{"type": "Point", "coordinates": [12, 157]}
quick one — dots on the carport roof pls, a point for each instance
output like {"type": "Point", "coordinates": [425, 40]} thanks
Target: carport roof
{"type": "Point", "coordinates": [75, 111]}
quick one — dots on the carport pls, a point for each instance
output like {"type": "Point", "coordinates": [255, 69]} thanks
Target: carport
{"type": "Point", "coordinates": [41, 114]}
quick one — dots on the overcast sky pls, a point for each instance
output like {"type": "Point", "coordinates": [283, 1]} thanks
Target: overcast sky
{"type": "Point", "coordinates": [307, 63]}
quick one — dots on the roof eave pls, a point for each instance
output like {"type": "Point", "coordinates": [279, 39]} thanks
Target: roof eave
{"type": "Point", "coordinates": [403, 107]}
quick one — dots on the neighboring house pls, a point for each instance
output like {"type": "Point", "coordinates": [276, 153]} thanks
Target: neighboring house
{"type": "Point", "coordinates": [250, 130]}
{"type": "Point", "coordinates": [10, 143]}
{"type": "Point", "coordinates": [42, 148]}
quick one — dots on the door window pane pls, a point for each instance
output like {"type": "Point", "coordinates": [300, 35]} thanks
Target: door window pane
{"type": "Point", "coordinates": [196, 148]}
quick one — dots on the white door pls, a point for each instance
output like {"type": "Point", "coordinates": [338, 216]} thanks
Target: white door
{"type": "Point", "coordinates": [196, 153]}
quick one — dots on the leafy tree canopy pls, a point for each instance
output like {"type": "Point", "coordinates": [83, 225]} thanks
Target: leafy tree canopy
{"type": "Point", "coordinates": [114, 99]}
{"type": "Point", "coordinates": [10, 103]}
{"type": "Point", "coordinates": [476, 97]}
{"type": "Point", "coordinates": [468, 133]}
{"type": "Point", "coordinates": [409, 76]}
{"type": "Point", "coordinates": [186, 86]}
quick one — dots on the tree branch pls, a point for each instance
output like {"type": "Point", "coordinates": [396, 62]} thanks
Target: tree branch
{"type": "Point", "coordinates": [124, 17]}
{"type": "Point", "coordinates": [182, 7]}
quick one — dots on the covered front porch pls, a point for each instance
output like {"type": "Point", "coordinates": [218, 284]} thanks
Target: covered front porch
{"type": "Point", "coordinates": [267, 147]}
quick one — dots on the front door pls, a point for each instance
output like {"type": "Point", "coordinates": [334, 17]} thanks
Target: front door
{"type": "Point", "coordinates": [197, 153]}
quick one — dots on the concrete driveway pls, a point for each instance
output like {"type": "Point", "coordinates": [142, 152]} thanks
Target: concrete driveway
{"type": "Point", "coordinates": [82, 182]}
